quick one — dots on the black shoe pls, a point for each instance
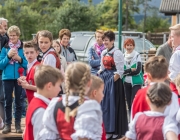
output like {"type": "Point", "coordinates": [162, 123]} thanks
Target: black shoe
{"type": "Point", "coordinates": [18, 128]}
{"type": "Point", "coordinates": [7, 129]}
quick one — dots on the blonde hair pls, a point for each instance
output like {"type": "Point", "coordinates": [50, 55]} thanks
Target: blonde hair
{"type": "Point", "coordinates": [77, 76]}
{"type": "Point", "coordinates": [99, 31]}
{"type": "Point", "coordinates": [45, 74]}
{"type": "Point", "coordinates": [177, 81]}
{"type": "Point", "coordinates": [14, 29]}
{"type": "Point", "coordinates": [96, 82]}
{"type": "Point", "coordinates": [176, 29]}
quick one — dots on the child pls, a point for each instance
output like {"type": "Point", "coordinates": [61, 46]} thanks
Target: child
{"type": "Point", "coordinates": [174, 65]}
{"type": "Point", "coordinates": [50, 57]}
{"type": "Point", "coordinates": [58, 119]}
{"type": "Point", "coordinates": [31, 53]}
{"type": "Point", "coordinates": [177, 83]}
{"type": "Point", "coordinates": [47, 81]}
{"type": "Point", "coordinates": [157, 71]}
{"type": "Point", "coordinates": [56, 45]}
{"type": "Point", "coordinates": [92, 110]}
{"type": "Point", "coordinates": [11, 61]}
{"type": "Point", "coordinates": [154, 125]}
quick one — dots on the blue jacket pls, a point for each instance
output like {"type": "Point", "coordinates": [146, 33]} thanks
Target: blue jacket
{"type": "Point", "coordinates": [94, 63]}
{"type": "Point", "coordinates": [10, 71]}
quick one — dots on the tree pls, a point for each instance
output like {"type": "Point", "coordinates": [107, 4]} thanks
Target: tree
{"type": "Point", "coordinates": [73, 15]}
{"type": "Point", "coordinates": [108, 11]}
{"type": "Point", "coordinates": [131, 7]}
{"type": "Point", "coordinates": [22, 16]}
{"type": "Point", "coordinates": [147, 7]}
{"type": "Point", "coordinates": [154, 23]}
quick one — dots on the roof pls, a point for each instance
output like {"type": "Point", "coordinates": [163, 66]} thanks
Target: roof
{"type": "Point", "coordinates": [170, 7]}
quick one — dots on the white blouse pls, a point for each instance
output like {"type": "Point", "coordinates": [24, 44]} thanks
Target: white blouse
{"type": "Point", "coordinates": [49, 59]}
{"type": "Point", "coordinates": [50, 130]}
{"type": "Point", "coordinates": [174, 65]}
{"type": "Point", "coordinates": [168, 125]}
{"type": "Point", "coordinates": [88, 123]}
{"type": "Point", "coordinates": [118, 60]}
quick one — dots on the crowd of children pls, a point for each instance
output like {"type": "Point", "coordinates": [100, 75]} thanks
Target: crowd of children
{"type": "Point", "coordinates": [93, 106]}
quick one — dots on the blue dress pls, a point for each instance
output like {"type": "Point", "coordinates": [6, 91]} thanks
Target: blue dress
{"type": "Point", "coordinates": [113, 103]}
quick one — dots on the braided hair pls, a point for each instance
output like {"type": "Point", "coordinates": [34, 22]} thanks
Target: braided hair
{"type": "Point", "coordinates": [159, 94]}
{"type": "Point", "coordinates": [77, 76]}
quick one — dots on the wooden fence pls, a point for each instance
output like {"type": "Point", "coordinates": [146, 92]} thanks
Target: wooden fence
{"type": "Point", "coordinates": [157, 38]}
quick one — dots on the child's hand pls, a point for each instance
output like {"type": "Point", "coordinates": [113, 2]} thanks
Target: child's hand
{"type": "Point", "coordinates": [22, 78]}
{"type": "Point", "coordinates": [24, 84]}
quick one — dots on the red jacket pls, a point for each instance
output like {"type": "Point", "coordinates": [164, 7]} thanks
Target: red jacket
{"type": "Point", "coordinates": [30, 80]}
{"type": "Point", "coordinates": [139, 102]}
{"type": "Point", "coordinates": [35, 104]}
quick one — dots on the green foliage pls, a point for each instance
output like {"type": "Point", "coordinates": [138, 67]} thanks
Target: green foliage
{"type": "Point", "coordinates": [74, 16]}
{"type": "Point", "coordinates": [155, 23]}
{"type": "Point", "coordinates": [22, 16]}
{"type": "Point", "coordinates": [108, 11]}
{"type": "Point", "coordinates": [34, 15]}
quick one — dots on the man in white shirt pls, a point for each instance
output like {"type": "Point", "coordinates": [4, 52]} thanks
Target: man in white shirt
{"type": "Point", "coordinates": [174, 65]}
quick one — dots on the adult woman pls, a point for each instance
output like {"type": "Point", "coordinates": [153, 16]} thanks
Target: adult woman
{"type": "Point", "coordinates": [11, 61]}
{"type": "Point", "coordinates": [94, 53]}
{"type": "Point", "coordinates": [66, 50]}
{"type": "Point", "coordinates": [133, 78]}
{"type": "Point", "coordinates": [113, 104]}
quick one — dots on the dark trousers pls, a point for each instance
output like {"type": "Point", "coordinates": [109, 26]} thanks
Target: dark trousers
{"type": "Point", "coordinates": [8, 86]}
{"type": "Point", "coordinates": [2, 115]}
{"type": "Point", "coordinates": [130, 93]}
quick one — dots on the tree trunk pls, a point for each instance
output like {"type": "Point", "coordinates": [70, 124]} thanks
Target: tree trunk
{"type": "Point", "coordinates": [145, 8]}
{"type": "Point", "coordinates": [126, 19]}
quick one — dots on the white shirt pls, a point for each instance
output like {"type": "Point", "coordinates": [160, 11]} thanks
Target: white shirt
{"type": "Point", "coordinates": [172, 109]}
{"type": "Point", "coordinates": [37, 116]}
{"type": "Point", "coordinates": [174, 64]}
{"type": "Point", "coordinates": [118, 60]}
{"type": "Point", "coordinates": [88, 123]}
{"type": "Point", "coordinates": [29, 66]}
{"type": "Point", "coordinates": [49, 130]}
{"type": "Point", "coordinates": [168, 125]}
{"type": "Point", "coordinates": [49, 59]}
